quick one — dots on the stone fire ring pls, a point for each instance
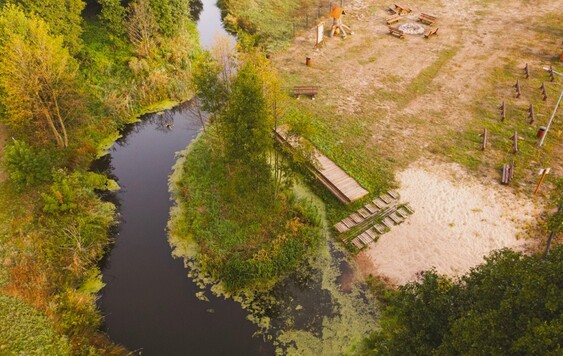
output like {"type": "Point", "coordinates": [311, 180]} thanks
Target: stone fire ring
{"type": "Point", "coordinates": [411, 28]}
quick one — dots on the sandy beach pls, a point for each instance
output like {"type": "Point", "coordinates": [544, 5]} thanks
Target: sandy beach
{"type": "Point", "coordinates": [457, 221]}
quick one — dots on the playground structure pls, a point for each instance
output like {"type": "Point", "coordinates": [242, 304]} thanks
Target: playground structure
{"type": "Point", "coordinates": [337, 25]}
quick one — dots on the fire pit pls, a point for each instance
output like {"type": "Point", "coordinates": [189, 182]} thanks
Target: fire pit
{"type": "Point", "coordinates": [411, 28]}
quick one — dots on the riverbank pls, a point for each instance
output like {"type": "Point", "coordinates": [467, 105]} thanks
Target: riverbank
{"type": "Point", "coordinates": [321, 306]}
{"type": "Point", "coordinates": [55, 235]}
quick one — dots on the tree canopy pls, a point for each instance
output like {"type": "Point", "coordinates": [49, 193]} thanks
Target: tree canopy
{"type": "Point", "coordinates": [37, 77]}
{"type": "Point", "coordinates": [63, 17]}
{"type": "Point", "coordinates": [511, 305]}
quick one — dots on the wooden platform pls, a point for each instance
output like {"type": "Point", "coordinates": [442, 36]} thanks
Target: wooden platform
{"type": "Point", "coordinates": [344, 187]}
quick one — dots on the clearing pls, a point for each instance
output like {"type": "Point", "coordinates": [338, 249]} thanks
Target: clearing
{"type": "Point", "coordinates": [385, 103]}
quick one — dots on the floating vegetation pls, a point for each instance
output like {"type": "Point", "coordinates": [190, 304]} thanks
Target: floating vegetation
{"type": "Point", "coordinates": [318, 309]}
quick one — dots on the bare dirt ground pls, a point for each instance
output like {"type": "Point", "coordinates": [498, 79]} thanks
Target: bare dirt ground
{"type": "Point", "coordinates": [402, 100]}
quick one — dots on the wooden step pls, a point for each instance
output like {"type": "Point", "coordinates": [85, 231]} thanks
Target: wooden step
{"type": "Point", "coordinates": [364, 213]}
{"type": "Point", "coordinates": [356, 242]}
{"type": "Point", "coordinates": [386, 198]}
{"type": "Point", "coordinates": [371, 232]}
{"type": "Point", "coordinates": [348, 222]}
{"type": "Point", "coordinates": [365, 238]}
{"type": "Point", "coordinates": [394, 194]}
{"type": "Point", "coordinates": [357, 218]}
{"type": "Point", "coordinates": [379, 203]}
{"type": "Point", "coordinates": [340, 227]}
{"type": "Point", "coordinates": [371, 208]}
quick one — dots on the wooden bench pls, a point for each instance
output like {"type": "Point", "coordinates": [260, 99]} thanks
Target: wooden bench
{"type": "Point", "coordinates": [392, 19]}
{"type": "Point", "coordinates": [427, 19]}
{"type": "Point", "coordinates": [431, 32]}
{"type": "Point", "coordinates": [305, 90]}
{"type": "Point", "coordinates": [396, 32]}
{"type": "Point", "coordinates": [402, 9]}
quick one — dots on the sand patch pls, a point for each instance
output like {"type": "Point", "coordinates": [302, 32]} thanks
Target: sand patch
{"type": "Point", "coordinates": [457, 221]}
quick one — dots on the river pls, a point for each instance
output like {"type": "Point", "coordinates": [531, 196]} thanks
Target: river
{"type": "Point", "coordinates": [149, 303]}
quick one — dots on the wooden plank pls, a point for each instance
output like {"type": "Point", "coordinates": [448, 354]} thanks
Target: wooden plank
{"type": "Point", "coordinates": [396, 218]}
{"type": "Point", "coordinates": [402, 212]}
{"type": "Point", "coordinates": [340, 227]}
{"type": "Point", "coordinates": [365, 238]}
{"type": "Point", "coordinates": [344, 187]}
{"type": "Point", "coordinates": [357, 218]}
{"type": "Point", "coordinates": [364, 213]}
{"type": "Point", "coordinates": [348, 222]}
{"type": "Point", "coordinates": [385, 199]}
{"type": "Point", "coordinates": [371, 208]}
{"type": "Point", "coordinates": [356, 242]}
{"type": "Point", "coordinates": [379, 203]}
{"type": "Point", "coordinates": [371, 232]}
{"type": "Point", "coordinates": [394, 194]}
{"type": "Point", "coordinates": [409, 208]}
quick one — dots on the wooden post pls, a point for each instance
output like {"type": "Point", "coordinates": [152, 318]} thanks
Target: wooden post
{"type": "Point", "coordinates": [512, 165]}
{"type": "Point", "coordinates": [517, 86]}
{"type": "Point", "coordinates": [502, 111]}
{"type": "Point", "coordinates": [544, 172]}
{"type": "Point", "coordinates": [527, 69]}
{"type": "Point", "coordinates": [307, 21]}
{"type": "Point", "coordinates": [551, 76]}
{"type": "Point", "coordinates": [531, 114]}
{"type": "Point", "coordinates": [543, 91]}
{"type": "Point", "coordinates": [484, 139]}
{"type": "Point", "coordinates": [515, 143]}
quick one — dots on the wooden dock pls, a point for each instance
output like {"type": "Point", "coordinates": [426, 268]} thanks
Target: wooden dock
{"type": "Point", "coordinates": [344, 187]}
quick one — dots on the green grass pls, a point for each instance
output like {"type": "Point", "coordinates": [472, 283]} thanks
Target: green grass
{"type": "Point", "coordinates": [465, 147]}
{"type": "Point", "coordinates": [244, 239]}
{"type": "Point", "coordinates": [25, 331]}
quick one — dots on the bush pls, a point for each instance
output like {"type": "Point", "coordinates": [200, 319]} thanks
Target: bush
{"type": "Point", "coordinates": [26, 165]}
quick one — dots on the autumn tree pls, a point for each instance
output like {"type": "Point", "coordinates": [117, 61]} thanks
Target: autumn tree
{"type": "Point", "coordinates": [64, 18]}
{"type": "Point", "coordinates": [37, 77]}
{"type": "Point", "coordinates": [142, 28]}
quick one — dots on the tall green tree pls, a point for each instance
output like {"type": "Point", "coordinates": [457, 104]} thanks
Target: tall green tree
{"type": "Point", "coordinates": [510, 305]}
{"type": "Point", "coordinates": [247, 125]}
{"type": "Point", "coordinates": [37, 77]}
{"type": "Point", "coordinates": [64, 18]}
{"type": "Point", "coordinates": [113, 14]}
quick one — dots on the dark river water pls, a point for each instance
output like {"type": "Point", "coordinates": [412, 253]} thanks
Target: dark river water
{"type": "Point", "coordinates": [149, 303]}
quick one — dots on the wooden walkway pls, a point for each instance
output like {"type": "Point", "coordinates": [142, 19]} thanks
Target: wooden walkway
{"type": "Point", "coordinates": [374, 219]}
{"type": "Point", "coordinates": [344, 187]}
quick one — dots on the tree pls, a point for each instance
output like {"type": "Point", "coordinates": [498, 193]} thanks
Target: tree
{"type": "Point", "coordinates": [510, 305]}
{"type": "Point", "coordinates": [113, 14]}
{"type": "Point", "coordinates": [63, 17]}
{"type": "Point", "coordinates": [247, 125]}
{"type": "Point", "coordinates": [37, 77]}
{"type": "Point", "coordinates": [555, 222]}
{"type": "Point", "coordinates": [142, 27]}
{"type": "Point", "coordinates": [169, 14]}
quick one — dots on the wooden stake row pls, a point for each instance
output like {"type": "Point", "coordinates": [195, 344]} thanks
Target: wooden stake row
{"type": "Point", "coordinates": [517, 87]}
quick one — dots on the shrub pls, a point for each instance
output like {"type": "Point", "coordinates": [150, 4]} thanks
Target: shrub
{"type": "Point", "coordinates": [26, 165]}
